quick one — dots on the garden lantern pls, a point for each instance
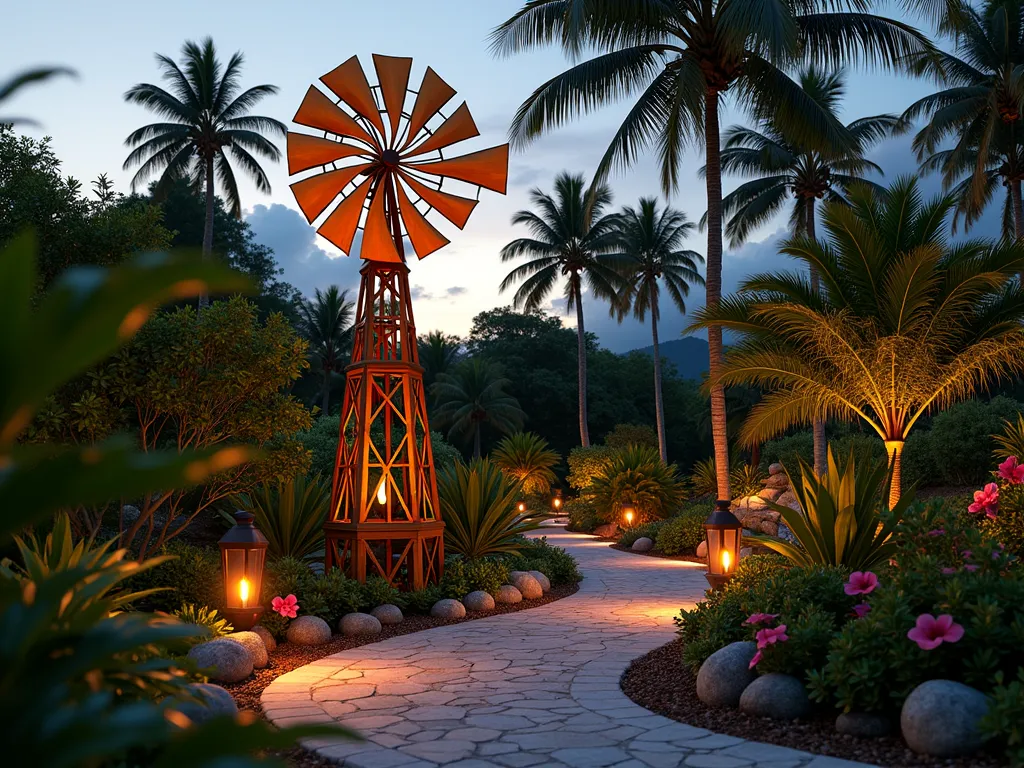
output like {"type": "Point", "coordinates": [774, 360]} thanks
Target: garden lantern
{"type": "Point", "coordinates": [521, 506]}
{"type": "Point", "coordinates": [629, 514]}
{"type": "Point", "coordinates": [556, 503]}
{"type": "Point", "coordinates": [723, 530]}
{"type": "Point", "coordinates": [243, 551]}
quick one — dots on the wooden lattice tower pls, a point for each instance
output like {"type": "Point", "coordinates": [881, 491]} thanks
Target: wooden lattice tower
{"type": "Point", "coordinates": [384, 164]}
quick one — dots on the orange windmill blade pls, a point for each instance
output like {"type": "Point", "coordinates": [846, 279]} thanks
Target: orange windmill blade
{"type": "Point", "coordinates": [378, 166]}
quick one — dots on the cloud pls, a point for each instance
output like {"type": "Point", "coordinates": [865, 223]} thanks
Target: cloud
{"type": "Point", "coordinates": [306, 265]}
{"type": "Point", "coordinates": [456, 290]}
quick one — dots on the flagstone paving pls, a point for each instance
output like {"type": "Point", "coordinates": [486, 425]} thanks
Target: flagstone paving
{"type": "Point", "coordinates": [533, 688]}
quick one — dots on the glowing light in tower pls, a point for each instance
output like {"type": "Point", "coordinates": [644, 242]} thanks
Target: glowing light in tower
{"type": "Point", "coordinates": [243, 592]}
{"type": "Point", "coordinates": [382, 492]}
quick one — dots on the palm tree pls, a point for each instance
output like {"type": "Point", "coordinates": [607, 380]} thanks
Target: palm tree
{"type": "Point", "coordinates": [473, 395]}
{"type": "Point", "coordinates": [783, 168]}
{"type": "Point", "coordinates": [527, 458]}
{"type": "Point", "coordinates": [438, 352]}
{"type": "Point", "coordinates": [905, 322]}
{"type": "Point", "coordinates": [651, 254]}
{"type": "Point", "coordinates": [207, 120]}
{"type": "Point", "coordinates": [569, 237]}
{"type": "Point", "coordinates": [680, 60]}
{"type": "Point", "coordinates": [327, 324]}
{"type": "Point", "coordinates": [980, 107]}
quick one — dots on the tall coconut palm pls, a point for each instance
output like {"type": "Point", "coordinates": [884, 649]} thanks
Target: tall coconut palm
{"type": "Point", "coordinates": [439, 351]}
{"type": "Point", "coordinates": [571, 236]}
{"type": "Point", "coordinates": [651, 243]}
{"type": "Point", "coordinates": [905, 322]}
{"type": "Point", "coordinates": [472, 395]}
{"type": "Point", "coordinates": [980, 105]}
{"type": "Point", "coordinates": [327, 324]}
{"type": "Point", "coordinates": [785, 169]}
{"type": "Point", "coordinates": [678, 61]}
{"type": "Point", "coordinates": [207, 121]}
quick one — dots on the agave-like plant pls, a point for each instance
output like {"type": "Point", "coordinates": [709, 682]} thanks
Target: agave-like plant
{"type": "Point", "coordinates": [204, 616]}
{"type": "Point", "coordinates": [290, 514]}
{"type": "Point", "coordinates": [526, 457]}
{"type": "Point", "coordinates": [480, 506]}
{"type": "Point", "coordinates": [637, 477]}
{"type": "Point", "coordinates": [841, 520]}
{"type": "Point", "coordinates": [1010, 442]}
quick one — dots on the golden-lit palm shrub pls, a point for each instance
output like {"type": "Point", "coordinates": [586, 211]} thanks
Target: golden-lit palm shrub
{"type": "Point", "coordinates": [637, 477]}
{"type": "Point", "coordinates": [905, 323]}
{"type": "Point", "coordinates": [526, 457]}
{"type": "Point", "coordinates": [290, 514]}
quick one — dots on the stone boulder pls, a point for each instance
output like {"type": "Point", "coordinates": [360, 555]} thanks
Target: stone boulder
{"type": "Point", "coordinates": [478, 601]}
{"type": "Point", "coordinates": [776, 469]}
{"type": "Point", "coordinates": [308, 630]}
{"type": "Point", "coordinates": [388, 614]}
{"type": "Point", "coordinates": [725, 674]}
{"type": "Point", "coordinates": [940, 718]}
{"type": "Point", "coordinates": [863, 725]}
{"type": "Point", "coordinates": [508, 594]}
{"type": "Point", "coordinates": [643, 544]}
{"type": "Point", "coordinates": [268, 639]}
{"type": "Point", "coordinates": [607, 531]}
{"type": "Point", "coordinates": [448, 609]}
{"type": "Point", "coordinates": [354, 624]}
{"type": "Point", "coordinates": [702, 549]}
{"type": "Point", "coordinates": [544, 581]}
{"type": "Point", "coordinates": [778, 696]}
{"type": "Point", "coordinates": [223, 660]}
{"type": "Point", "coordinates": [528, 586]}
{"type": "Point", "coordinates": [779, 482]}
{"type": "Point", "coordinates": [213, 701]}
{"type": "Point", "coordinates": [788, 499]}
{"type": "Point", "coordinates": [254, 644]}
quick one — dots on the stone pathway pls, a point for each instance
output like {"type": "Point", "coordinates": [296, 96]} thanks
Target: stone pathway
{"type": "Point", "coordinates": [535, 688]}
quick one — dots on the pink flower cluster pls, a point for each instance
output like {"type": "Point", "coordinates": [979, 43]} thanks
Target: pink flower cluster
{"type": "Point", "coordinates": [286, 606]}
{"type": "Point", "coordinates": [930, 632]}
{"type": "Point", "coordinates": [861, 583]}
{"type": "Point", "coordinates": [1011, 471]}
{"type": "Point", "coordinates": [765, 637]}
{"type": "Point", "coordinates": [986, 501]}
{"type": "Point", "coordinates": [756, 619]}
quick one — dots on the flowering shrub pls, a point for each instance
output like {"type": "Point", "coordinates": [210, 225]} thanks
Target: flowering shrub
{"type": "Point", "coordinates": [288, 607]}
{"type": "Point", "coordinates": [1004, 515]}
{"type": "Point", "coordinates": [951, 607]}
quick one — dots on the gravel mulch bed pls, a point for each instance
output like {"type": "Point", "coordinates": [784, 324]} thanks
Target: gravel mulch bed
{"type": "Point", "coordinates": [661, 683]}
{"type": "Point", "coordinates": [288, 657]}
{"type": "Point", "coordinates": [653, 553]}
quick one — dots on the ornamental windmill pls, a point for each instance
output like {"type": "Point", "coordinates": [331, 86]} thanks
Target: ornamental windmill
{"type": "Point", "coordinates": [380, 163]}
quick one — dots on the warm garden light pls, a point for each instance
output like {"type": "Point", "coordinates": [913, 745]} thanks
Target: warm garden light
{"type": "Point", "coordinates": [522, 506]}
{"type": "Point", "coordinates": [243, 552]}
{"type": "Point", "coordinates": [382, 492]}
{"type": "Point", "coordinates": [556, 502]}
{"type": "Point", "coordinates": [629, 514]}
{"type": "Point", "coordinates": [724, 532]}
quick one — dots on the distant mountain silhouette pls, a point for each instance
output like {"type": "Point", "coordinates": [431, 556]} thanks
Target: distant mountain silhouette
{"type": "Point", "coordinates": [689, 355]}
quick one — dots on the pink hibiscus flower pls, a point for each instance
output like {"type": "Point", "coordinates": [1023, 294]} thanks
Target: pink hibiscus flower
{"type": "Point", "coordinates": [286, 606]}
{"type": "Point", "coordinates": [861, 610]}
{"type": "Point", "coordinates": [753, 662]}
{"type": "Point", "coordinates": [937, 532]}
{"type": "Point", "coordinates": [861, 583]}
{"type": "Point", "coordinates": [1012, 471]}
{"type": "Point", "coordinates": [971, 568]}
{"type": "Point", "coordinates": [948, 571]}
{"type": "Point", "coordinates": [771, 635]}
{"type": "Point", "coordinates": [986, 501]}
{"type": "Point", "coordinates": [760, 618]}
{"type": "Point", "coordinates": [931, 632]}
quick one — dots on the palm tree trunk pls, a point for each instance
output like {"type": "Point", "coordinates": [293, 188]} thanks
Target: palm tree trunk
{"type": "Point", "coordinates": [894, 449]}
{"type": "Point", "coordinates": [818, 425]}
{"type": "Point", "coordinates": [204, 298]}
{"type": "Point", "coordinates": [659, 403]}
{"type": "Point", "coordinates": [325, 400]}
{"type": "Point", "coordinates": [713, 285]}
{"type": "Point", "coordinates": [1018, 214]}
{"type": "Point", "coordinates": [581, 352]}
{"type": "Point", "coordinates": [476, 441]}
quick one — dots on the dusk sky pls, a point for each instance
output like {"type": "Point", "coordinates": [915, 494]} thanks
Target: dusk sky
{"type": "Point", "coordinates": [111, 45]}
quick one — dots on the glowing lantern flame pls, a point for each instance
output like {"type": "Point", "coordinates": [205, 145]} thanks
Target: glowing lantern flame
{"type": "Point", "coordinates": [243, 592]}
{"type": "Point", "coordinates": [382, 492]}
{"type": "Point", "coordinates": [629, 516]}
{"type": "Point", "coordinates": [558, 503]}
{"type": "Point", "coordinates": [726, 561]}
{"type": "Point", "coordinates": [522, 507]}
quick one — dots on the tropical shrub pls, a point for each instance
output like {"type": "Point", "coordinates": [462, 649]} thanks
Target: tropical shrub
{"type": "Point", "coordinates": [636, 476]}
{"type": "Point", "coordinates": [944, 565]}
{"type": "Point", "coordinates": [585, 464]}
{"type": "Point", "coordinates": [746, 479]}
{"type": "Point", "coordinates": [963, 439]}
{"type": "Point", "coordinates": [97, 704]}
{"type": "Point", "coordinates": [290, 514]}
{"type": "Point", "coordinates": [554, 562]}
{"type": "Point", "coordinates": [841, 522]}
{"type": "Point", "coordinates": [285, 576]}
{"type": "Point", "coordinates": [789, 450]}
{"type": "Point", "coordinates": [330, 595]}
{"type": "Point", "coordinates": [204, 616]}
{"type": "Point", "coordinates": [1004, 721]}
{"type": "Point", "coordinates": [583, 515]}
{"type": "Point", "coordinates": [682, 534]}
{"type": "Point", "coordinates": [625, 435]}
{"type": "Point", "coordinates": [422, 600]}
{"type": "Point", "coordinates": [184, 573]}
{"type": "Point", "coordinates": [525, 457]}
{"type": "Point", "coordinates": [703, 479]}
{"type": "Point", "coordinates": [628, 536]}
{"type": "Point", "coordinates": [479, 505]}
{"type": "Point", "coordinates": [464, 576]}
{"type": "Point", "coordinates": [377, 591]}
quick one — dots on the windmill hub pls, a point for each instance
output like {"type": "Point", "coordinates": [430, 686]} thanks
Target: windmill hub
{"type": "Point", "coordinates": [390, 158]}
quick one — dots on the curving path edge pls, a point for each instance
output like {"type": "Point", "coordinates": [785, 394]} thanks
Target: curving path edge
{"type": "Point", "coordinates": [533, 688]}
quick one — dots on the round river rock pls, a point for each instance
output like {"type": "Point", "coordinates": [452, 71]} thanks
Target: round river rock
{"type": "Point", "coordinates": [252, 643]}
{"type": "Point", "coordinates": [528, 586]}
{"type": "Point", "coordinates": [223, 660]}
{"type": "Point", "coordinates": [268, 639]}
{"type": "Point", "coordinates": [778, 696]}
{"type": "Point", "coordinates": [478, 601]}
{"type": "Point", "coordinates": [643, 544]}
{"type": "Point", "coordinates": [308, 630]}
{"type": "Point", "coordinates": [940, 718]}
{"type": "Point", "coordinates": [215, 702]}
{"type": "Point", "coordinates": [388, 614]}
{"type": "Point", "coordinates": [544, 581]}
{"type": "Point", "coordinates": [724, 675]}
{"type": "Point", "coordinates": [448, 609]}
{"type": "Point", "coordinates": [353, 624]}
{"type": "Point", "coordinates": [508, 594]}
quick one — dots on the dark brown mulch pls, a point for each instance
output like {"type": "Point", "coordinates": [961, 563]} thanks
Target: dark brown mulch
{"type": "Point", "coordinates": [288, 657]}
{"type": "Point", "coordinates": [661, 683]}
{"type": "Point", "coordinates": [663, 556]}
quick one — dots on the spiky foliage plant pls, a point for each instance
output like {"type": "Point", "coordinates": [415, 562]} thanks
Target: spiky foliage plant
{"type": "Point", "coordinates": [527, 458]}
